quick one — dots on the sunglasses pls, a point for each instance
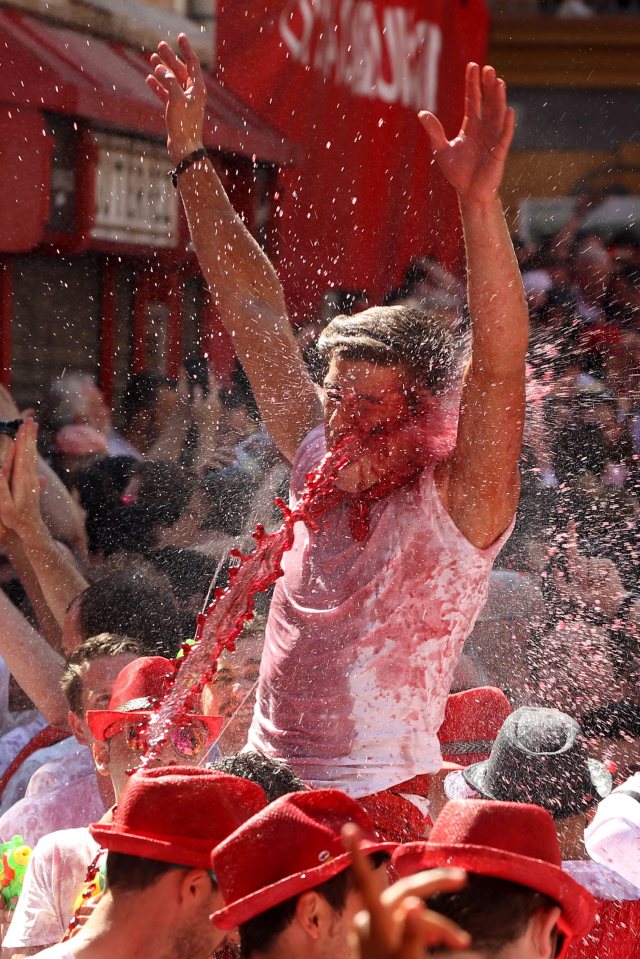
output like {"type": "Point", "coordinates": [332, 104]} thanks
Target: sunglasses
{"type": "Point", "coordinates": [188, 739]}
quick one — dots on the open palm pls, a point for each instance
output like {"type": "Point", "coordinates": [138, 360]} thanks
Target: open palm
{"type": "Point", "coordinates": [179, 84]}
{"type": "Point", "coordinates": [474, 161]}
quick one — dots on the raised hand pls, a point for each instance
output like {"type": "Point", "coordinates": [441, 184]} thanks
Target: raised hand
{"type": "Point", "coordinates": [20, 485]}
{"type": "Point", "coordinates": [396, 924]}
{"type": "Point", "coordinates": [179, 84]}
{"type": "Point", "coordinates": [474, 161]}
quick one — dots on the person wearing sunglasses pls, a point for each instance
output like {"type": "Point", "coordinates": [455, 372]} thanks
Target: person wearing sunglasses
{"type": "Point", "coordinates": [57, 873]}
{"type": "Point", "coordinates": [160, 888]}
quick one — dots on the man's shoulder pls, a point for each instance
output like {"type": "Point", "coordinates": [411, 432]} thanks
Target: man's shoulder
{"type": "Point", "coordinates": [65, 841]}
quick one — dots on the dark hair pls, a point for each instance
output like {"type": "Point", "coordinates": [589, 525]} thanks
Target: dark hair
{"type": "Point", "coordinates": [132, 873]}
{"type": "Point", "coordinates": [164, 491]}
{"type": "Point", "coordinates": [127, 606]}
{"type": "Point", "coordinates": [140, 393]}
{"type": "Point", "coordinates": [387, 335]}
{"type": "Point", "coordinates": [103, 645]}
{"type": "Point", "coordinates": [101, 484]}
{"type": "Point", "coordinates": [259, 934]}
{"type": "Point", "coordinates": [495, 912]}
{"type": "Point", "coordinates": [274, 776]}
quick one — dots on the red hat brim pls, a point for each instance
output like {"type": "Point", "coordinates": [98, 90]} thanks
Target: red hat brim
{"type": "Point", "coordinates": [578, 906]}
{"type": "Point", "coordinates": [101, 720]}
{"type": "Point", "coordinates": [194, 853]}
{"type": "Point", "coordinates": [241, 911]}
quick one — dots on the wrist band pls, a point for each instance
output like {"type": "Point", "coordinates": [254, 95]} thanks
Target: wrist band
{"type": "Point", "coordinates": [186, 163]}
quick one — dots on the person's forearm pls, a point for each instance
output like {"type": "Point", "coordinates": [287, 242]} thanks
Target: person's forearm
{"type": "Point", "coordinates": [251, 303]}
{"type": "Point", "coordinates": [35, 666]}
{"type": "Point", "coordinates": [24, 571]}
{"type": "Point", "coordinates": [60, 513]}
{"type": "Point", "coordinates": [497, 305]}
{"type": "Point", "coordinates": [59, 579]}
{"type": "Point", "coordinates": [240, 275]}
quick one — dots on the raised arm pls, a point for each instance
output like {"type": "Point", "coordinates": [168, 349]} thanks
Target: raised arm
{"type": "Point", "coordinates": [480, 484]}
{"type": "Point", "coordinates": [36, 667]}
{"type": "Point", "coordinates": [58, 578]}
{"type": "Point", "coordinates": [241, 278]}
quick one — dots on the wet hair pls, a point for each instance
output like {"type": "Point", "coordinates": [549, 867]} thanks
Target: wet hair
{"type": "Point", "coordinates": [133, 873]}
{"type": "Point", "coordinates": [98, 647]}
{"type": "Point", "coordinates": [101, 484]}
{"type": "Point", "coordinates": [127, 606]}
{"type": "Point", "coordinates": [188, 570]}
{"type": "Point", "coordinates": [389, 335]}
{"type": "Point", "coordinates": [164, 491]}
{"type": "Point", "coordinates": [495, 912]}
{"type": "Point", "coordinates": [274, 776]}
{"type": "Point", "coordinates": [260, 933]}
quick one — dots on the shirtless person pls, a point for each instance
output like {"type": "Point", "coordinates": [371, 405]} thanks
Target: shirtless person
{"type": "Point", "coordinates": [369, 620]}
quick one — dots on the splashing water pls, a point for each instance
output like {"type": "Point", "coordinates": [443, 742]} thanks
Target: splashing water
{"type": "Point", "coordinates": [223, 620]}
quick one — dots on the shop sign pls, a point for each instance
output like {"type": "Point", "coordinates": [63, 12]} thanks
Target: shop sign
{"type": "Point", "coordinates": [134, 200]}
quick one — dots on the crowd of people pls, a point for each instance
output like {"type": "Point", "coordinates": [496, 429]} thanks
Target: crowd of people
{"type": "Point", "coordinates": [426, 739]}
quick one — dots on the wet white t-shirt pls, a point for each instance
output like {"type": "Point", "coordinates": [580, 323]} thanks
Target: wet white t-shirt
{"type": "Point", "coordinates": [363, 638]}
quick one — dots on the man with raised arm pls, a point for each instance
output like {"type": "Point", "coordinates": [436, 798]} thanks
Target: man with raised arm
{"type": "Point", "coordinates": [369, 620]}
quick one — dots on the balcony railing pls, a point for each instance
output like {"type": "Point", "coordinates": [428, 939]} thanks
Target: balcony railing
{"type": "Point", "coordinates": [566, 8]}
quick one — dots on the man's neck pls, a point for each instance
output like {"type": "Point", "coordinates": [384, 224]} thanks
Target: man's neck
{"type": "Point", "coordinates": [122, 930]}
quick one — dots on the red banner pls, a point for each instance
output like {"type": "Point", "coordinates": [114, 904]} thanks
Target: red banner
{"type": "Point", "coordinates": [344, 79]}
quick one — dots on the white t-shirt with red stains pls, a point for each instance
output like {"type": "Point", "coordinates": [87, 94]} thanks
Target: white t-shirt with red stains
{"type": "Point", "coordinates": [363, 638]}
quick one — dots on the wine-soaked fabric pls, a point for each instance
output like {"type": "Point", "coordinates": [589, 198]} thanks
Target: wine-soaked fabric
{"type": "Point", "coordinates": [363, 637]}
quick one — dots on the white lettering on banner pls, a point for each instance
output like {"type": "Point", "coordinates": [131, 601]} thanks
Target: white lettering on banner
{"type": "Point", "coordinates": [387, 54]}
{"type": "Point", "coordinates": [134, 200]}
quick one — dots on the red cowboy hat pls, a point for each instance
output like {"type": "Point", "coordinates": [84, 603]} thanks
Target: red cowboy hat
{"type": "Point", "coordinates": [178, 814]}
{"type": "Point", "coordinates": [512, 841]}
{"type": "Point", "coordinates": [472, 720]}
{"type": "Point", "coordinates": [290, 847]}
{"type": "Point", "coordinates": [140, 686]}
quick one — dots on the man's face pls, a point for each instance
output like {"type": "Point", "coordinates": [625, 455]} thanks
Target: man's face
{"type": "Point", "coordinates": [335, 944]}
{"type": "Point", "coordinates": [362, 398]}
{"type": "Point", "coordinates": [232, 692]}
{"type": "Point", "coordinates": [98, 677]}
{"type": "Point", "coordinates": [197, 937]}
{"type": "Point", "coordinates": [122, 753]}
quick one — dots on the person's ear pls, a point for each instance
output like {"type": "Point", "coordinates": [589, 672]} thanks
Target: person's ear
{"type": "Point", "coordinates": [100, 752]}
{"type": "Point", "coordinates": [542, 932]}
{"type": "Point", "coordinates": [77, 728]}
{"type": "Point", "coordinates": [310, 913]}
{"type": "Point", "coordinates": [195, 886]}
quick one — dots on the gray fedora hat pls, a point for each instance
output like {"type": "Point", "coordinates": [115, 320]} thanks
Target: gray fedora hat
{"type": "Point", "coordinates": [540, 757]}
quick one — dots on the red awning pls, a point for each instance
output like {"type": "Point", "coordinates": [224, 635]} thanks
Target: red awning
{"type": "Point", "coordinates": [63, 71]}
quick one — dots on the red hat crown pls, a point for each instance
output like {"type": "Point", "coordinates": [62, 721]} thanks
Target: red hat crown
{"type": "Point", "coordinates": [148, 678]}
{"type": "Point", "coordinates": [179, 814]}
{"type": "Point", "coordinates": [514, 828]}
{"type": "Point", "coordinates": [512, 841]}
{"type": "Point", "coordinates": [291, 846]}
{"type": "Point", "coordinates": [473, 715]}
